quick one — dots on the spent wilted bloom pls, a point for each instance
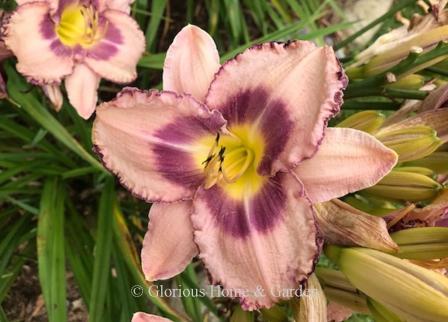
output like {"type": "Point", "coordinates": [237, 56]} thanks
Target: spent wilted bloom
{"type": "Point", "coordinates": [342, 224]}
{"type": "Point", "coordinates": [233, 157]}
{"type": "Point", "coordinates": [79, 42]}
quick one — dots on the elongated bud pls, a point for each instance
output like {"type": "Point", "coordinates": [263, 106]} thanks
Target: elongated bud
{"type": "Point", "coordinates": [437, 161]}
{"type": "Point", "coordinates": [371, 205]}
{"type": "Point", "coordinates": [239, 315]}
{"type": "Point", "coordinates": [422, 243]}
{"type": "Point", "coordinates": [411, 143]}
{"type": "Point", "coordinates": [408, 290]}
{"type": "Point", "coordinates": [419, 170]}
{"type": "Point", "coordinates": [367, 121]}
{"type": "Point", "coordinates": [408, 82]}
{"type": "Point", "coordinates": [342, 224]}
{"type": "Point", "coordinates": [312, 307]}
{"type": "Point", "coordinates": [403, 185]}
{"type": "Point", "coordinates": [274, 314]}
{"type": "Point", "coordinates": [338, 288]}
{"type": "Point", "coordinates": [380, 313]}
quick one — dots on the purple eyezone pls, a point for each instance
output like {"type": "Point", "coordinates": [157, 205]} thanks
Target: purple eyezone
{"type": "Point", "coordinates": [272, 117]}
{"type": "Point", "coordinates": [239, 218]}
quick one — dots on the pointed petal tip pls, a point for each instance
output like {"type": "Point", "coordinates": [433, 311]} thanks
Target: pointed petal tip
{"type": "Point", "coordinates": [168, 246]}
{"type": "Point", "coordinates": [191, 62]}
{"type": "Point", "coordinates": [348, 160]}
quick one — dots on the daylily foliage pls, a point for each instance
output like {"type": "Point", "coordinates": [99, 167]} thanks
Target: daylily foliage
{"type": "Point", "coordinates": [234, 157]}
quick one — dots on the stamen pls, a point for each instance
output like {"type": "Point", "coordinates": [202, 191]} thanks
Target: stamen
{"type": "Point", "coordinates": [248, 159]}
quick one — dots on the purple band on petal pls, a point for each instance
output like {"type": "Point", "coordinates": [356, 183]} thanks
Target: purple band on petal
{"type": "Point", "coordinates": [268, 205]}
{"type": "Point", "coordinates": [113, 34]}
{"type": "Point", "coordinates": [106, 48]}
{"type": "Point", "coordinates": [275, 124]}
{"type": "Point", "coordinates": [176, 164]}
{"type": "Point", "coordinates": [47, 28]}
{"type": "Point", "coordinates": [102, 51]}
{"type": "Point", "coordinates": [59, 49]}
{"type": "Point", "coordinates": [229, 214]}
{"type": "Point", "coordinates": [264, 210]}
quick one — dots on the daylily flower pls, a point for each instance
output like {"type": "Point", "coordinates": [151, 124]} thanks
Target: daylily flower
{"type": "Point", "coordinates": [234, 165]}
{"type": "Point", "coordinates": [78, 41]}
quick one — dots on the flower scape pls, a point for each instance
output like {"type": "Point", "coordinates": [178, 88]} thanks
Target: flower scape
{"type": "Point", "coordinates": [306, 180]}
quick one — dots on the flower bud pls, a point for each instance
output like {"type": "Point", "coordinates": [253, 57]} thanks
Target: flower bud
{"type": "Point", "coordinates": [367, 121]}
{"type": "Point", "coordinates": [410, 143]}
{"type": "Point", "coordinates": [380, 313]}
{"type": "Point", "coordinates": [420, 170]}
{"type": "Point", "coordinates": [403, 185]}
{"type": "Point", "coordinates": [411, 292]}
{"type": "Point", "coordinates": [408, 82]}
{"type": "Point", "coordinates": [437, 161]}
{"type": "Point", "coordinates": [422, 243]}
{"type": "Point", "coordinates": [372, 205]}
{"type": "Point", "coordinates": [338, 288]}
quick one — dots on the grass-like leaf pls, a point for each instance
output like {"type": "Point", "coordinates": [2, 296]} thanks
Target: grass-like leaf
{"type": "Point", "coordinates": [50, 250]}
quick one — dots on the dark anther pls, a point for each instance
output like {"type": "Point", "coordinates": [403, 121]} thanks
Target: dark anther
{"type": "Point", "coordinates": [221, 153]}
{"type": "Point", "coordinates": [209, 158]}
{"type": "Point", "coordinates": [217, 137]}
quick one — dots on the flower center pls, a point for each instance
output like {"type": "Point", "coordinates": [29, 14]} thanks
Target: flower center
{"type": "Point", "coordinates": [79, 25]}
{"type": "Point", "coordinates": [233, 160]}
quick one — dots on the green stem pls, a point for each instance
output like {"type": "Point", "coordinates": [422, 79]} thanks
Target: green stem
{"type": "Point", "coordinates": [370, 105]}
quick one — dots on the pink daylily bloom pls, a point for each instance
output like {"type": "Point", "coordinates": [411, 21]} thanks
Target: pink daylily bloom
{"type": "Point", "coordinates": [234, 160]}
{"type": "Point", "coordinates": [79, 41]}
{"type": "Point", "coordinates": [144, 317]}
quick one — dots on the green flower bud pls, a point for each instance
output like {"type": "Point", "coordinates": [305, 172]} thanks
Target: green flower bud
{"type": "Point", "coordinates": [367, 121]}
{"type": "Point", "coordinates": [410, 143]}
{"type": "Point", "coordinates": [403, 185]}
{"type": "Point", "coordinates": [419, 170]}
{"type": "Point", "coordinates": [380, 313]}
{"type": "Point", "coordinates": [411, 292]}
{"type": "Point", "coordinates": [437, 161]}
{"type": "Point", "coordinates": [337, 288]}
{"type": "Point", "coordinates": [371, 205]}
{"type": "Point", "coordinates": [408, 82]}
{"type": "Point", "coordinates": [422, 243]}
